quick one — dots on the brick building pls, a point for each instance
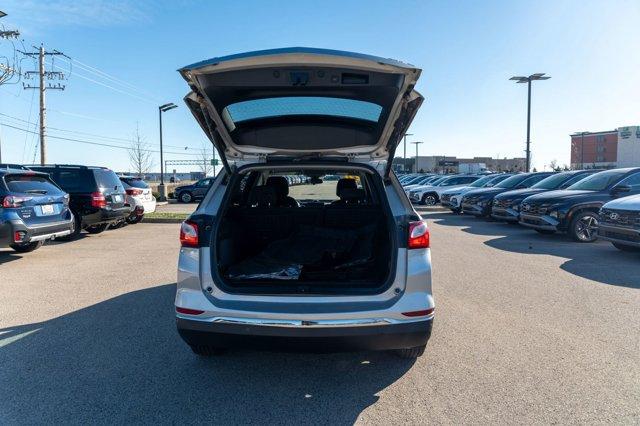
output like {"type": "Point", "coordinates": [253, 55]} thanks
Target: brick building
{"type": "Point", "coordinates": [597, 150]}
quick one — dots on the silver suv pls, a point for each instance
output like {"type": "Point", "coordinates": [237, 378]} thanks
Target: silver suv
{"type": "Point", "coordinates": [339, 262]}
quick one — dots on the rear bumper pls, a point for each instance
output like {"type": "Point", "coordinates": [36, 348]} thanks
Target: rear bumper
{"type": "Point", "coordinates": [508, 215]}
{"type": "Point", "coordinates": [33, 233]}
{"type": "Point", "coordinates": [305, 338]}
{"type": "Point", "coordinates": [105, 216]}
{"type": "Point", "coordinates": [619, 235]}
{"type": "Point", "coordinates": [545, 223]}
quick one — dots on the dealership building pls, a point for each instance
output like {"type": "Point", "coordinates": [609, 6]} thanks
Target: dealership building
{"type": "Point", "coordinates": [607, 149]}
{"type": "Point", "coordinates": [450, 164]}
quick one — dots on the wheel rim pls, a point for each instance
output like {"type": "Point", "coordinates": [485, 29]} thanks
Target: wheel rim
{"type": "Point", "coordinates": [185, 198]}
{"type": "Point", "coordinates": [429, 200]}
{"type": "Point", "coordinates": [586, 228]}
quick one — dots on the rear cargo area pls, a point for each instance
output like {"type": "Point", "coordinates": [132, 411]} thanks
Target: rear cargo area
{"type": "Point", "coordinates": [270, 242]}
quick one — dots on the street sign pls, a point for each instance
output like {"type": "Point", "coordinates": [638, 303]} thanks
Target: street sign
{"type": "Point", "coordinates": [214, 162]}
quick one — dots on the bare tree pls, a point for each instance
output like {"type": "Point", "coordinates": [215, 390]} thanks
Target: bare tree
{"type": "Point", "coordinates": [205, 156]}
{"type": "Point", "coordinates": [140, 156]}
{"type": "Point", "coordinates": [554, 165]}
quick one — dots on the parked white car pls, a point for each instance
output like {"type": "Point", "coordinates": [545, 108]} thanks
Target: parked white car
{"type": "Point", "coordinates": [451, 197]}
{"type": "Point", "coordinates": [139, 196]}
{"type": "Point", "coordinates": [620, 223]}
{"type": "Point", "coordinates": [430, 194]}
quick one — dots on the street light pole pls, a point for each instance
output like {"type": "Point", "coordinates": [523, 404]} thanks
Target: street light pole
{"type": "Point", "coordinates": [161, 188]}
{"type": "Point", "coordinates": [404, 163]}
{"type": "Point", "coordinates": [528, 80]}
{"type": "Point", "coordinates": [416, 162]}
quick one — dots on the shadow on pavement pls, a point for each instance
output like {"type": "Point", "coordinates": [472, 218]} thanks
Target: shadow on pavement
{"type": "Point", "coordinates": [9, 255]}
{"type": "Point", "coordinates": [598, 261]}
{"type": "Point", "coordinates": [122, 361]}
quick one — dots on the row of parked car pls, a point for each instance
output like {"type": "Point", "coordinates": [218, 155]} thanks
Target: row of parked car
{"type": "Point", "coordinates": [585, 204]}
{"type": "Point", "coordinates": [197, 190]}
{"type": "Point", "coordinates": [39, 203]}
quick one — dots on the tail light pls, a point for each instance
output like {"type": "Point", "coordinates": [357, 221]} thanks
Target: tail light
{"type": "Point", "coordinates": [188, 311]}
{"type": "Point", "coordinates": [134, 192]}
{"type": "Point", "coordinates": [188, 234]}
{"type": "Point", "coordinates": [98, 200]}
{"type": "Point", "coordinates": [11, 201]}
{"type": "Point", "coordinates": [418, 235]}
{"type": "Point", "coordinates": [422, 313]}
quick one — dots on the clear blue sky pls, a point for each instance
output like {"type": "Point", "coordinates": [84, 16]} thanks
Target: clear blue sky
{"type": "Point", "coordinates": [467, 51]}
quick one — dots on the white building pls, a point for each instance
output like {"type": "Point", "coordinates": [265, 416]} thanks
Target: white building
{"type": "Point", "coordinates": [629, 146]}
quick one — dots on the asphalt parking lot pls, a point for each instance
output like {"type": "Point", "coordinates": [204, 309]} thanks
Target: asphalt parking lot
{"type": "Point", "coordinates": [529, 329]}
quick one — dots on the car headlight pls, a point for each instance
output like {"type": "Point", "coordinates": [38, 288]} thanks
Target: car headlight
{"type": "Point", "coordinates": [554, 214]}
{"type": "Point", "coordinates": [516, 207]}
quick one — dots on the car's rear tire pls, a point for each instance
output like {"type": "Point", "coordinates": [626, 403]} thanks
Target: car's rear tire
{"type": "Point", "coordinates": [185, 197]}
{"type": "Point", "coordinates": [411, 353]}
{"type": "Point", "coordinates": [584, 227]}
{"type": "Point", "coordinates": [625, 247]}
{"type": "Point", "coordinates": [133, 220]}
{"type": "Point", "coordinates": [96, 229]}
{"type": "Point", "coordinates": [27, 247]}
{"type": "Point", "coordinates": [206, 351]}
{"type": "Point", "coordinates": [545, 231]}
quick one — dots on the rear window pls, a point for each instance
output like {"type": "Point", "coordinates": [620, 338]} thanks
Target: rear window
{"type": "Point", "coordinates": [31, 184]}
{"type": "Point", "coordinates": [107, 179]}
{"type": "Point", "coordinates": [135, 183]}
{"type": "Point", "coordinates": [301, 105]}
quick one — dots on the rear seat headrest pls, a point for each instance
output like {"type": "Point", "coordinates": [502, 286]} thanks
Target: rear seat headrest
{"type": "Point", "coordinates": [280, 184]}
{"type": "Point", "coordinates": [353, 195]}
{"type": "Point", "coordinates": [263, 196]}
{"type": "Point", "coordinates": [345, 183]}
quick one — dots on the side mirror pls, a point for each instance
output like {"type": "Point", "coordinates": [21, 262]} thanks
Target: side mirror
{"type": "Point", "coordinates": [618, 189]}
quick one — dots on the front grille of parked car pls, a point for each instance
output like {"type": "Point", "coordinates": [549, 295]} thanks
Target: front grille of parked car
{"type": "Point", "coordinates": [445, 198]}
{"type": "Point", "coordinates": [625, 218]}
{"type": "Point", "coordinates": [502, 204]}
{"type": "Point", "coordinates": [534, 209]}
{"type": "Point", "coordinates": [470, 200]}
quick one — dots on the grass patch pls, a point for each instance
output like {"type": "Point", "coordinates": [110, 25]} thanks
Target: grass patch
{"type": "Point", "coordinates": [166, 215]}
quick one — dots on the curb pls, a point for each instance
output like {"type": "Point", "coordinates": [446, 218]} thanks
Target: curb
{"type": "Point", "coordinates": [161, 220]}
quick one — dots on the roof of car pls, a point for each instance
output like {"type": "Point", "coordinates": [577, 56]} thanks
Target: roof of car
{"type": "Point", "coordinates": [25, 171]}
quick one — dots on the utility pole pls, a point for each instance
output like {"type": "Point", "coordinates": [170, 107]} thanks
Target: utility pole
{"type": "Point", "coordinates": [528, 80]}
{"type": "Point", "coordinates": [42, 88]}
{"type": "Point", "coordinates": [404, 163]}
{"type": "Point", "coordinates": [416, 162]}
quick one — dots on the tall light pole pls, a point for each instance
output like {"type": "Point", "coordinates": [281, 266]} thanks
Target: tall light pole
{"type": "Point", "coordinates": [404, 163]}
{"type": "Point", "coordinates": [528, 80]}
{"type": "Point", "coordinates": [161, 189]}
{"type": "Point", "coordinates": [581, 134]}
{"type": "Point", "coordinates": [416, 162]}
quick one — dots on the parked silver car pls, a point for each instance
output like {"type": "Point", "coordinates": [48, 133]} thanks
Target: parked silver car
{"type": "Point", "coordinates": [337, 264]}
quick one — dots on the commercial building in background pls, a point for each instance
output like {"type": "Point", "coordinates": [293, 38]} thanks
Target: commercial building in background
{"type": "Point", "coordinates": [606, 149]}
{"type": "Point", "coordinates": [449, 164]}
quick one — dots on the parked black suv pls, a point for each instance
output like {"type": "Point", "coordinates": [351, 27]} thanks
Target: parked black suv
{"type": "Point", "coordinates": [195, 191]}
{"type": "Point", "coordinates": [575, 209]}
{"type": "Point", "coordinates": [479, 201]}
{"type": "Point", "coordinates": [506, 206]}
{"type": "Point", "coordinates": [32, 209]}
{"type": "Point", "coordinates": [97, 195]}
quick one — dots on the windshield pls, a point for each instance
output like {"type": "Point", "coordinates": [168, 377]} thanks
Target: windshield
{"type": "Point", "coordinates": [436, 181]}
{"type": "Point", "coordinates": [481, 182]}
{"type": "Point", "coordinates": [301, 105]}
{"type": "Point", "coordinates": [599, 181]}
{"type": "Point", "coordinates": [134, 182]}
{"type": "Point", "coordinates": [552, 182]}
{"type": "Point", "coordinates": [511, 182]}
{"type": "Point", "coordinates": [27, 184]}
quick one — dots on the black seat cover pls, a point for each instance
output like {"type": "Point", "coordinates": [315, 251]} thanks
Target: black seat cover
{"type": "Point", "coordinates": [344, 184]}
{"type": "Point", "coordinates": [281, 186]}
{"type": "Point", "coordinates": [263, 196]}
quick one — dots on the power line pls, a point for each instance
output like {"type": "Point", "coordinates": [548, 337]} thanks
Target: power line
{"type": "Point", "coordinates": [99, 73]}
{"type": "Point", "coordinates": [92, 142]}
{"type": "Point", "coordinates": [84, 133]}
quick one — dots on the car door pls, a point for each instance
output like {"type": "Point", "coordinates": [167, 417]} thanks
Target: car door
{"type": "Point", "coordinates": [202, 187]}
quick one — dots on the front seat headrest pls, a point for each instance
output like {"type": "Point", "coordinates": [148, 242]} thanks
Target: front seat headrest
{"type": "Point", "coordinates": [345, 183]}
{"type": "Point", "coordinates": [280, 184]}
{"type": "Point", "coordinates": [353, 195]}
